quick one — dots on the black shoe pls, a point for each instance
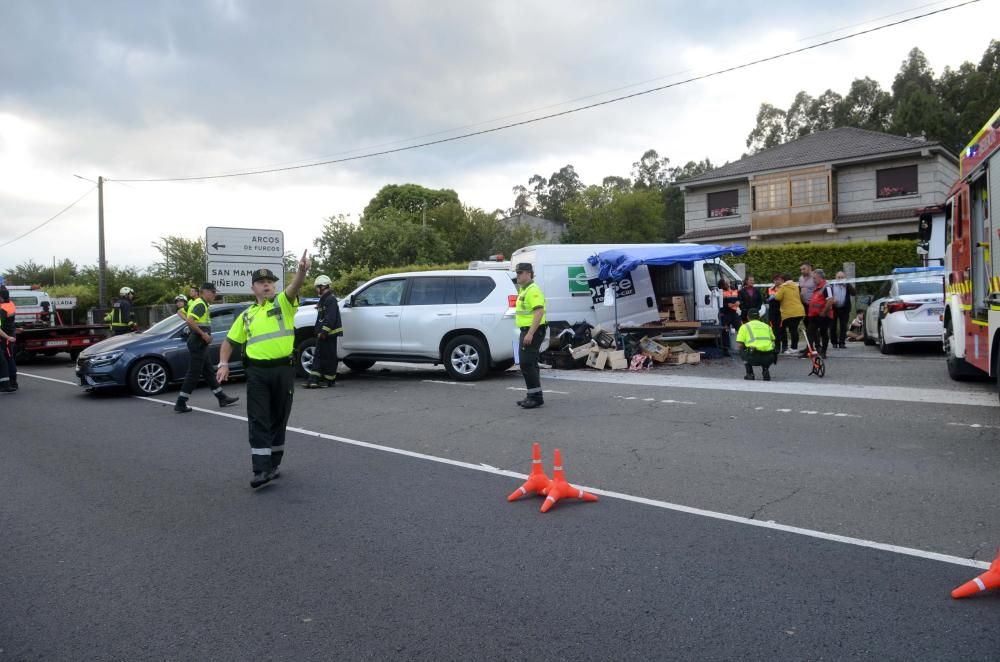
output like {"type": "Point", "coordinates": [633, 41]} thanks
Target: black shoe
{"type": "Point", "coordinates": [749, 377]}
{"type": "Point", "coordinates": [327, 383]}
{"type": "Point", "coordinates": [520, 403]}
{"type": "Point", "coordinates": [7, 388]}
{"type": "Point", "coordinates": [226, 400]}
{"type": "Point", "coordinates": [273, 473]}
{"type": "Point", "coordinates": [13, 384]}
{"type": "Point", "coordinates": [181, 407]}
{"type": "Point", "coordinates": [766, 374]}
{"type": "Point", "coordinates": [311, 384]}
{"type": "Point", "coordinates": [532, 403]}
{"type": "Point", "coordinates": [260, 478]}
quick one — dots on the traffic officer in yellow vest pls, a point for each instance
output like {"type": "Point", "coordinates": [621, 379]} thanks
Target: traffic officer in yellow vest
{"type": "Point", "coordinates": [199, 323]}
{"type": "Point", "coordinates": [323, 369]}
{"type": "Point", "coordinates": [267, 331]}
{"type": "Point", "coordinates": [755, 341]}
{"type": "Point", "coordinates": [530, 319]}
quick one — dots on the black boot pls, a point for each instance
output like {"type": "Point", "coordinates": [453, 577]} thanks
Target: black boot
{"type": "Point", "coordinates": [749, 374]}
{"type": "Point", "coordinates": [181, 406]}
{"type": "Point", "coordinates": [532, 401]}
{"type": "Point", "coordinates": [766, 374]}
{"type": "Point", "coordinates": [226, 400]}
{"type": "Point", "coordinates": [311, 383]}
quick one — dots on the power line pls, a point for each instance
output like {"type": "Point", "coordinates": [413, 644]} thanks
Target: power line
{"type": "Point", "coordinates": [46, 222]}
{"type": "Point", "coordinates": [563, 113]}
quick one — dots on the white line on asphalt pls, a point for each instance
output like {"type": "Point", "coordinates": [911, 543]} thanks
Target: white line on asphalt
{"type": "Point", "coordinates": [978, 426]}
{"type": "Point", "coordinates": [440, 381]}
{"type": "Point", "coordinates": [858, 391]}
{"type": "Point", "coordinates": [544, 390]}
{"type": "Point", "coordinates": [666, 505]}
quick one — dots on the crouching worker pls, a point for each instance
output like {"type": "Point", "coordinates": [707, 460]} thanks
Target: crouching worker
{"type": "Point", "coordinates": [755, 342]}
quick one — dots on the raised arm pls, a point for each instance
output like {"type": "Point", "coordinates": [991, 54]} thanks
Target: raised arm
{"type": "Point", "coordinates": [292, 291]}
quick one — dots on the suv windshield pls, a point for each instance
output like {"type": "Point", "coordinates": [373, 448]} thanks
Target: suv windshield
{"type": "Point", "coordinates": [165, 326]}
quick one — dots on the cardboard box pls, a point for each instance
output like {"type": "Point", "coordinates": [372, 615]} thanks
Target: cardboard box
{"type": "Point", "coordinates": [582, 351]}
{"type": "Point", "coordinates": [617, 360]}
{"type": "Point", "coordinates": [654, 350]}
{"type": "Point", "coordinates": [597, 359]}
{"type": "Point", "coordinates": [693, 357]}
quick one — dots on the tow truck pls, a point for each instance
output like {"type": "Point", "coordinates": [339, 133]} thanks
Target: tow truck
{"type": "Point", "coordinates": [39, 329]}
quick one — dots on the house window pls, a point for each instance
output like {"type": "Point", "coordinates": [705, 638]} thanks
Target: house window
{"type": "Point", "coordinates": [770, 195]}
{"type": "Point", "coordinates": [723, 203]}
{"type": "Point", "coordinates": [810, 191]}
{"type": "Point", "coordinates": [894, 182]}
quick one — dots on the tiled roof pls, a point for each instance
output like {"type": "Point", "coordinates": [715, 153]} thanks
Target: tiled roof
{"type": "Point", "coordinates": [871, 217]}
{"type": "Point", "coordinates": [841, 144]}
{"type": "Point", "coordinates": [725, 231]}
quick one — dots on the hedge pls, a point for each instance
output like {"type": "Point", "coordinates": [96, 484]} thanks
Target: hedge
{"type": "Point", "coordinates": [871, 258]}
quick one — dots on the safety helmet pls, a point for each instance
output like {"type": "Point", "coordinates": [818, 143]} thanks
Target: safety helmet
{"type": "Point", "coordinates": [180, 297]}
{"type": "Point", "coordinates": [323, 281]}
{"type": "Point", "coordinates": [125, 291]}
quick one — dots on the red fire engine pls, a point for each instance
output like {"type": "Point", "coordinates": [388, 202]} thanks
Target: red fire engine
{"type": "Point", "coordinates": [972, 290]}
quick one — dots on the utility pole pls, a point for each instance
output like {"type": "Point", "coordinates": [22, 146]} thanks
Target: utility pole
{"type": "Point", "coordinates": [102, 278]}
{"type": "Point", "coordinates": [424, 216]}
{"type": "Point", "coordinates": [53, 271]}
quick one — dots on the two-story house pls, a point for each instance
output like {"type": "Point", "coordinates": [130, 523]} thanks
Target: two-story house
{"type": "Point", "coordinates": [840, 185]}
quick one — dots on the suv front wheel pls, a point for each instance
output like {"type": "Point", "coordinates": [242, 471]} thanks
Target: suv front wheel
{"type": "Point", "coordinates": [466, 358]}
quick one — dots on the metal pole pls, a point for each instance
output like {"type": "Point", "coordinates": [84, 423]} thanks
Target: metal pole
{"type": "Point", "coordinates": [102, 277]}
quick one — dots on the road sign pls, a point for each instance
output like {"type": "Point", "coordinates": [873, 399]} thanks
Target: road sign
{"type": "Point", "coordinates": [237, 277]}
{"type": "Point", "coordinates": [244, 243]}
{"type": "Point", "coordinates": [64, 303]}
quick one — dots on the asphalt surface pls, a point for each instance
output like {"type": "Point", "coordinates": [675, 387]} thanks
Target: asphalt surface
{"type": "Point", "coordinates": [131, 532]}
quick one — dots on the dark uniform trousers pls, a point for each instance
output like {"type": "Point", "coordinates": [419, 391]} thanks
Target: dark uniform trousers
{"type": "Point", "coordinates": [270, 386]}
{"type": "Point", "coordinates": [324, 363]}
{"type": "Point", "coordinates": [199, 367]}
{"type": "Point", "coordinates": [529, 361]}
{"type": "Point", "coordinates": [8, 371]}
{"type": "Point", "coordinates": [757, 357]}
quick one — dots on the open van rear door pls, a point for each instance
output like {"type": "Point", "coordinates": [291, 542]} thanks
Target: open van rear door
{"type": "Point", "coordinates": [636, 302]}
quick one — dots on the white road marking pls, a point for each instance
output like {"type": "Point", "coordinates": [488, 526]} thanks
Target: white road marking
{"type": "Point", "coordinates": [856, 391]}
{"type": "Point", "coordinates": [666, 505]}
{"type": "Point", "coordinates": [977, 426]}
{"type": "Point", "coordinates": [785, 411]}
{"type": "Point", "coordinates": [440, 381]}
{"type": "Point", "coordinates": [544, 390]}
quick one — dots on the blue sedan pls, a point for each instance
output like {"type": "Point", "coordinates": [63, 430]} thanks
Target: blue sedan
{"type": "Point", "coordinates": [150, 361]}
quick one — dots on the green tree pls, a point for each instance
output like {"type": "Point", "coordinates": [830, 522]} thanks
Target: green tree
{"type": "Point", "coordinates": [650, 171]}
{"type": "Point", "coordinates": [866, 106]}
{"type": "Point", "coordinates": [181, 263]}
{"type": "Point", "coordinates": [770, 129]}
{"type": "Point", "coordinates": [611, 215]}
{"type": "Point", "coordinates": [412, 199]}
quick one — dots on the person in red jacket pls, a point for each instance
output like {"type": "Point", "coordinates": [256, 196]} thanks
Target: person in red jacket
{"type": "Point", "coordinates": [819, 313]}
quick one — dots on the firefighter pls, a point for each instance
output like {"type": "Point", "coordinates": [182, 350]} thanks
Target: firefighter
{"type": "Point", "coordinates": [199, 322]}
{"type": "Point", "coordinates": [121, 316]}
{"type": "Point", "coordinates": [267, 331]}
{"type": "Point", "coordinates": [323, 369]}
{"type": "Point", "coordinates": [530, 319]}
{"type": "Point", "coordinates": [8, 369]}
{"type": "Point", "coordinates": [181, 302]}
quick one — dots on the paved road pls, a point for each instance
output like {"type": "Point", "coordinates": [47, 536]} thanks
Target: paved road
{"type": "Point", "coordinates": [131, 533]}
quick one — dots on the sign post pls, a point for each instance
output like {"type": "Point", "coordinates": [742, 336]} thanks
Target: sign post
{"type": "Point", "coordinates": [233, 254]}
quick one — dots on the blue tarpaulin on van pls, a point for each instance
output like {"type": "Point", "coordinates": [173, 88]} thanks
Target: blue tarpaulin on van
{"type": "Point", "coordinates": [615, 264]}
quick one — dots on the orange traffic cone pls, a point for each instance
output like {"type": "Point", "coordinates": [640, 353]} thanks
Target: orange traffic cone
{"type": "Point", "coordinates": [984, 582]}
{"type": "Point", "coordinates": [537, 481]}
{"type": "Point", "coordinates": [558, 488]}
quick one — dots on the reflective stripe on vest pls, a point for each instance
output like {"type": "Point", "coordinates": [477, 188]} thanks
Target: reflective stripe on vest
{"type": "Point", "coordinates": [523, 316]}
{"type": "Point", "coordinates": [282, 333]}
{"type": "Point", "coordinates": [751, 338]}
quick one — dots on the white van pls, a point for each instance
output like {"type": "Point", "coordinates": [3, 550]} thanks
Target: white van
{"type": "Point", "coordinates": [574, 293]}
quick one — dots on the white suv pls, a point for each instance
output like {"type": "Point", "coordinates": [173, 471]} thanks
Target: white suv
{"type": "Point", "coordinates": [462, 319]}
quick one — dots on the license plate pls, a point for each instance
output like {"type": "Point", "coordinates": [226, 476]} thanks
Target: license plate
{"type": "Point", "coordinates": [934, 312]}
{"type": "Point", "coordinates": [56, 343]}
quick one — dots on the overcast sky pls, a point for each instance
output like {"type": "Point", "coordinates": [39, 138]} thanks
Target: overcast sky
{"type": "Point", "coordinates": [152, 89]}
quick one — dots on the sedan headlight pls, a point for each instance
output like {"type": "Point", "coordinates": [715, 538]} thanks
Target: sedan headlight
{"type": "Point", "coordinates": [106, 358]}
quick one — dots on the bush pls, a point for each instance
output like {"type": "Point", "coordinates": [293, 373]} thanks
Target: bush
{"type": "Point", "coordinates": [871, 258]}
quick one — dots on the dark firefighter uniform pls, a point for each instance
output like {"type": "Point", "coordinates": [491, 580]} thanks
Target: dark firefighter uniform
{"type": "Point", "coordinates": [199, 365]}
{"type": "Point", "coordinates": [323, 369]}
{"type": "Point", "coordinates": [122, 317]}
{"type": "Point", "coordinates": [267, 332]}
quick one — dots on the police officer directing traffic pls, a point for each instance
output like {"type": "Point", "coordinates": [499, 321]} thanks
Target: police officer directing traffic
{"type": "Point", "coordinates": [323, 369]}
{"type": "Point", "coordinates": [267, 331]}
{"type": "Point", "coordinates": [530, 319]}
{"type": "Point", "coordinates": [199, 322]}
